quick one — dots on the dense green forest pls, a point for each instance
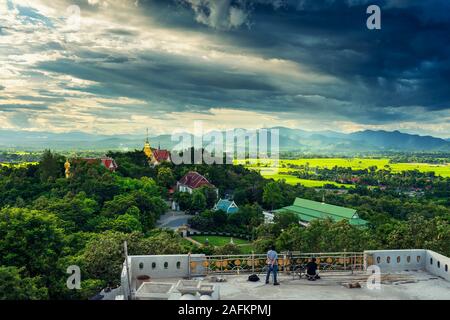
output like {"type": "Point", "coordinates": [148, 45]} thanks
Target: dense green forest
{"type": "Point", "coordinates": [48, 222]}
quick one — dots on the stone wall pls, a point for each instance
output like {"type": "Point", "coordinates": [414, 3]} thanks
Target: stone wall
{"type": "Point", "coordinates": [438, 264]}
{"type": "Point", "coordinates": [162, 266]}
{"type": "Point", "coordinates": [408, 260]}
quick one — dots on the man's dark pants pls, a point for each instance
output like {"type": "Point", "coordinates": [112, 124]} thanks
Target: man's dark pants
{"type": "Point", "coordinates": [274, 270]}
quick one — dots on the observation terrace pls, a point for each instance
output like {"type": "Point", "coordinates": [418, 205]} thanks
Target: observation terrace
{"type": "Point", "coordinates": [403, 274]}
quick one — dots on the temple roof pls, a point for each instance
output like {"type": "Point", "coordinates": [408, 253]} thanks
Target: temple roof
{"type": "Point", "coordinates": [161, 155]}
{"type": "Point", "coordinates": [108, 163]}
{"type": "Point", "coordinates": [227, 206]}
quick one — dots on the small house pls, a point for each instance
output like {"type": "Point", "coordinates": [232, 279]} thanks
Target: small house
{"type": "Point", "coordinates": [193, 180]}
{"type": "Point", "coordinates": [227, 206]}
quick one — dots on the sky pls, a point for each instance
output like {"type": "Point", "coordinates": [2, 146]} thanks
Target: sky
{"type": "Point", "coordinates": [119, 66]}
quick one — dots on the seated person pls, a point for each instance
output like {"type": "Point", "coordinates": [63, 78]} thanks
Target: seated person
{"type": "Point", "coordinates": [311, 270]}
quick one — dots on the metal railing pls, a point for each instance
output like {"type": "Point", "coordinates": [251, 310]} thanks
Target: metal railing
{"type": "Point", "coordinates": [288, 262]}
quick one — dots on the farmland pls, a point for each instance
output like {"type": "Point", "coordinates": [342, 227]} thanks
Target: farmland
{"type": "Point", "coordinates": [17, 165]}
{"type": "Point", "coordinates": [286, 166]}
{"type": "Point", "coordinates": [282, 174]}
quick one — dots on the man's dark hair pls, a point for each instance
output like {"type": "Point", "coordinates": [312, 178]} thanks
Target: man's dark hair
{"type": "Point", "coordinates": [272, 247]}
{"type": "Point", "coordinates": [313, 259]}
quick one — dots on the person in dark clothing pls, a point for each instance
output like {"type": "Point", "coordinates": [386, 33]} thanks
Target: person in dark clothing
{"type": "Point", "coordinates": [311, 270]}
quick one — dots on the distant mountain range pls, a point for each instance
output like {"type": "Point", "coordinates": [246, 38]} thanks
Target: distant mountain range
{"type": "Point", "coordinates": [361, 141]}
{"type": "Point", "coordinates": [290, 140]}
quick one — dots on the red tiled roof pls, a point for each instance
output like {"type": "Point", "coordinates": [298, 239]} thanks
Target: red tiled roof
{"type": "Point", "coordinates": [195, 180]}
{"type": "Point", "coordinates": [161, 155]}
{"type": "Point", "coordinates": [108, 163]}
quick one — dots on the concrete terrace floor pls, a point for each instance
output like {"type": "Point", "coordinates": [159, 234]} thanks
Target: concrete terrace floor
{"type": "Point", "coordinates": [415, 285]}
{"type": "Point", "coordinates": [411, 285]}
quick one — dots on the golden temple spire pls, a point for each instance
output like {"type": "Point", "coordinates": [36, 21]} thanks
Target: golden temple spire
{"type": "Point", "coordinates": [67, 167]}
{"type": "Point", "coordinates": [147, 149]}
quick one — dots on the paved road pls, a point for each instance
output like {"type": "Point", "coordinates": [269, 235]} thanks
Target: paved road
{"type": "Point", "coordinates": [177, 222]}
{"type": "Point", "coordinates": [173, 219]}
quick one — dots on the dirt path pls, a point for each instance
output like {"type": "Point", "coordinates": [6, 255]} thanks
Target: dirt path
{"type": "Point", "coordinates": [194, 241]}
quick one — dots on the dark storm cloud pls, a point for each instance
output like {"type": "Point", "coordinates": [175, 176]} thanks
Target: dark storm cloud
{"type": "Point", "coordinates": [405, 64]}
{"type": "Point", "coordinates": [374, 77]}
{"type": "Point", "coordinates": [175, 81]}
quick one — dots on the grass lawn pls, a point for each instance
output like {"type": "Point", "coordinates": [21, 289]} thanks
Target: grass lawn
{"type": "Point", "coordinates": [245, 246]}
{"type": "Point", "coordinates": [246, 249]}
{"type": "Point", "coordinates": [219, 240]}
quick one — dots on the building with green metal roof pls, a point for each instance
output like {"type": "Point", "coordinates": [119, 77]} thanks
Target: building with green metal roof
{"type": "Point", "coordinates": [308, 210]}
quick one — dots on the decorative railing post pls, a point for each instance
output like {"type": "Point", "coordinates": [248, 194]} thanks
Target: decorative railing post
{"type": "Point", "coordinates": [354, 262]}
{"type": "Point", "coordinates": [189, 265]}
{"type": "Point", "coordinates": [345, 260]}
{"type": "Point", "coordinates": [367, 260]}
{"type": "Point", "coordinates": [253, 261]}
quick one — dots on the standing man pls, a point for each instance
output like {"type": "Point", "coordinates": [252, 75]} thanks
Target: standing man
{"type": "Point", "coordinates": [272, 264]}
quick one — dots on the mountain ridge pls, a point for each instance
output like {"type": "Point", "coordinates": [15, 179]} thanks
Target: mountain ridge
{"type": "Point", "coordinates": [290, 140]}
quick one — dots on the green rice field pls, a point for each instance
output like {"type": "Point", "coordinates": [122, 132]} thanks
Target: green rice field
{"type": "Point", "coordinates": [266, 169]}
{"type": "Point", "coordinates": [17, 165]}
{"type": "Point", "coordinates": [270, 173]}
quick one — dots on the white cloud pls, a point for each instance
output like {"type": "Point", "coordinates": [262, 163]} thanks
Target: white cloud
{"type": "Point", "coordinates": [93, 2]}
{"type": "Point", "coordinates": [219, 14]}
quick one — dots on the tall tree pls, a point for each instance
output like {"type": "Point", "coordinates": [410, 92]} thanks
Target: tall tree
{"type": "Point", "coordinates": [165, 177]}
{"type": "Point", "coordinates": [285, 219]}
{"type": "Point", "coordinates": [210, 195]}
{"type": "Point", "coordinates": [272, 195]}
{"type": "Point", "coordinates": [50, 166]}
{"type": "Point", "coordinates": [198, 201]}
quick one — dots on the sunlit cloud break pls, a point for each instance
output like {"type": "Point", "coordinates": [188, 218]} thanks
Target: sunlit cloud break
{"type": "Point", "coordinates": [116, 67]}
